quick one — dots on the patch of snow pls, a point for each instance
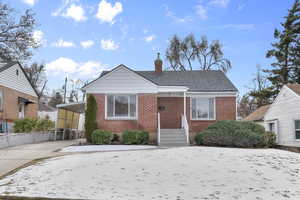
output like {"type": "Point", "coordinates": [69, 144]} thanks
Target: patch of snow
{"type": "Point", "coordinates": [91, 148]}
{"type": "Point", "coordinates": [177, 173]}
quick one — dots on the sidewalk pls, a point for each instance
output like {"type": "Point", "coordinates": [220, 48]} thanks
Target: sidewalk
{"type": "Point", "coordinates": [14, 157]}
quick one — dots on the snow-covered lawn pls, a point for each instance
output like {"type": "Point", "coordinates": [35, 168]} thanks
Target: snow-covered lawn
{"type": "Point", "coordinates": [179, 173]}
{"type": "Point", "coordinates": [91, 148]}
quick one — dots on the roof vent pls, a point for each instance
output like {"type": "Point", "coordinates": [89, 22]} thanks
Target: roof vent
{"type": "Point", "coordinates": [158, 64]}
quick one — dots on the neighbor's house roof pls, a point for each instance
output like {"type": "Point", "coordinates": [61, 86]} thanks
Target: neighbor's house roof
{"type": "Point", "coordinates": [196, 80]}
{"type": "Point", "coordinates": [5, 66]}
{"type": "Point", "coordinates": [258, 114]}
{"type": "Point", "coordinates": [46, 108]}
{"type": "Point", "coordinates": [295, 88]}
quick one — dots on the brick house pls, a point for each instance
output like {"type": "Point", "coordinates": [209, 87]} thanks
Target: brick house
{"type": "Point", "coordinates": [18, 99]}
{"type": "Point", "coordinates": [171, 105]}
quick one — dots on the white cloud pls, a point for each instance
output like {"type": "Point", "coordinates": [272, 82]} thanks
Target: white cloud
{"type": "Point", "coordinates": [176, 19]}
{"type": "Point", "coordinates": [149, 38]}
{"type": "Point", "coordinates": [107, 12]}
{"type": "Point", "coordinates": [90, 68]}
{"type": "Point", "coordinates": [241, 27]}
{"type": "Point", "coordinates": [87, 44]}
{"type": "Point", "coordinates": [38, 37]}
{"type": "Point", "coordinates": [70, 10]}
{"type": "Point", "coordinates": [30, 2]}
{"type": "Point", "coordinates": [201, 11]}
{"type": "Point", "coordinates": [63, 66]}
{"type": "Point", "coordinates": [62, 43]}
{"type": "Point", "coordinates": [219, 3]}
{"type": "Point", "coordinates": [75, 12]}
{"type": "Point", "coordinates": [109, 44]}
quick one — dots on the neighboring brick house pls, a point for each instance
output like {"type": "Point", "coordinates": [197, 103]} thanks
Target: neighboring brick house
{"type": "Point", "coordinates": [18, 99]}
{"type": "Point", "coordinates": [162, 102]}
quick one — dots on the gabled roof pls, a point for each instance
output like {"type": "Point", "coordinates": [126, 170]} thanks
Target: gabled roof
{"type": "Point", "coordinates": [196, 80]}
{"type": "Point", "coordinates": [5, 66]}
{"type": "Point", "coordinates": [295, 88]}
{"type": "Point", "coordinates": [258, 114]}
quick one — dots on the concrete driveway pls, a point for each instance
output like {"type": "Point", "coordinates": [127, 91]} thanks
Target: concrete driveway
{"type": "Point", "coordinates": [14, 157]}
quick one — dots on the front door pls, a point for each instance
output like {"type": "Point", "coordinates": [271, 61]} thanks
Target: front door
{"type": "Point", "coordinates": [170, 109]}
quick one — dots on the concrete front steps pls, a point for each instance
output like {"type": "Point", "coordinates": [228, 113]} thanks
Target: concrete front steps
{"type": "Point", "coordinates": [173, 137]}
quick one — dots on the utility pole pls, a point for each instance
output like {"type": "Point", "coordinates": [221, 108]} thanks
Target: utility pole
{"type": "Point", "coordinates": [65, 89]}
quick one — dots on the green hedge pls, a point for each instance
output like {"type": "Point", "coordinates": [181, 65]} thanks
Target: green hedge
{"type": "Point", "coordinates": [44, 125]}
{"type": "Point", "coordinates": [235, 134]}
{"type": "Point", "coordinates": [135, 137]}
{"type": "Point", "coordinates": [27, 125]}
{"type": "Point", "coordinates": [101, 137]}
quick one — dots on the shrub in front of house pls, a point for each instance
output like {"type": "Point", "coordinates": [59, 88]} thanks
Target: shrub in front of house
{"type": "Point", "coordinates": [101, 137]}
{"type": "Point", "coordinates": [44, 125]}
{"type": "Point", "coordinates": [235, 134]}
{"type": "Point", "coordinates": [135, 137]}
{"type": "Point", "coordinates": [25, 125]}
{"type": "Point", "coordinates": [90, 123]}
{"type": "Point", "coordinates": [271, 138]}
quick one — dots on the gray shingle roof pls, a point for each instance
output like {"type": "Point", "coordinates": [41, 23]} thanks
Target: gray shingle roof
{"type": "Point", "coordinates": [196, 80]}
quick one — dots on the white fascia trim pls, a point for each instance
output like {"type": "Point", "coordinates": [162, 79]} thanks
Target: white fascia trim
{"type": "Point", "coordinates": [172, 89]}
{"type": "Point", "coordinates": [291, 91]}
{"type": "Point", "coordinates": [121, 92]}
{"type": "Point", "coordinates": [213, 94]}
{"type": "Point", "coordinates": [115, 69]}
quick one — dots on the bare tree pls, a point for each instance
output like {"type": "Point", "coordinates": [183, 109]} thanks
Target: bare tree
{"type": "Point", "coordinates": [16, 35]}
{"type": "Point", "coordinates": [184, 52]}
{"type": "Point", "coordinates": [210, 56]}
{"type": "Point", "coordinates": [173, 54]}
{"type": "Point", "coordinates": [37, 77]}
{"type": "Point", "coordinates": [246, 105]}
{"type": "Point", "coordinates": [188, 49]}
{"type": "Point", "coordinates": [261, 92]}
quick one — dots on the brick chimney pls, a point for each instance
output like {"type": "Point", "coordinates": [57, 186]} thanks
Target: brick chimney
{"type": "Point", "coordinates": [158, 64]}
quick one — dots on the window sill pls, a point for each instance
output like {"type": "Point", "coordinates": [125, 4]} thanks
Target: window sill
{"type": "Point", "coordinates": [120, 118]}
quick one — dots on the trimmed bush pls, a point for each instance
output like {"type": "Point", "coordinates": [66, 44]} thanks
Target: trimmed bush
{"type": "Point", "coordinates": [235, 134]}
{"type": "Point", "coordinates": [90, 117]}
{"type": "Point", "coordinates": [135, 137]}
{"type": "Point", "coordinates": [101, 137]}
{"type": "Point", "coordinates": [25, 125]}
{"type": "Point", "coordinates": [44, 125]}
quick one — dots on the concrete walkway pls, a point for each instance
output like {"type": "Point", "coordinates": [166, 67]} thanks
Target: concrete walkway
{"type": "Point", "coordinates": [14, 157]}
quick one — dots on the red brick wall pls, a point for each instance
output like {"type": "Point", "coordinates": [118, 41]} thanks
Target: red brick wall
{"type": "Point", "coordinates": [225, 110]}
{"type": "Point", "coordinates": [147, 116]}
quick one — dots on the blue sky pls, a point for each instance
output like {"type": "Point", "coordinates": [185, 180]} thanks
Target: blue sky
{"type": "Point", "coordinates": [80, 38]}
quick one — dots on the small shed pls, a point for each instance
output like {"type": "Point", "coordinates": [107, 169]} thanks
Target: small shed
{"type": "Point", "coordinates": [69, 117]}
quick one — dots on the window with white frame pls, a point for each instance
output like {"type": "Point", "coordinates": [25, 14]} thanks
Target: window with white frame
{"type": "Point", "coordinates": [121, 106]}
{"type": "Point", "coordinates": [297, 129]}
{"type": "Point", "coordinates": [203, 108]}
{"type": "Point", "coordinates": [1, 100]}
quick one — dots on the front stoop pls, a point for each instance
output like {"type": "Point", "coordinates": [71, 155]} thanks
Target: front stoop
{"type": "Point", "coordinates": [173, 138]}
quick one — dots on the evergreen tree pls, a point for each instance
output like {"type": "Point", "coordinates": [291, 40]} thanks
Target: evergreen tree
{"type": "Point", "coordinates": [286, 51]}
{"type": "Point", "coordinates": [90, 117]}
